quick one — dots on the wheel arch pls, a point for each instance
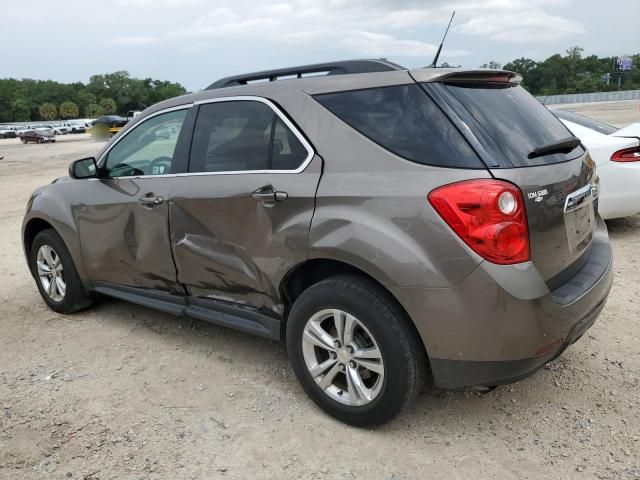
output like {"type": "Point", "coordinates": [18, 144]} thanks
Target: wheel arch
{"type": "Point", "coordinates": [308, 273]}
{"type": "Point", "coordinates": [31, 229]}
{"type": "Point", "coordinates": [36, 221]}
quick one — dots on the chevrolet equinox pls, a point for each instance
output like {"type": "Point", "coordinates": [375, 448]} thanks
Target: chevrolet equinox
{"type": "Point", "coordinates": [386, 224]}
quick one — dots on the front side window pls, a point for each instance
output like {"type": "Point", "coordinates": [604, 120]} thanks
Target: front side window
{"type": "Point", "coordinates": [241, 135]}
{"type": "Point", "coordinates": [148, 149]}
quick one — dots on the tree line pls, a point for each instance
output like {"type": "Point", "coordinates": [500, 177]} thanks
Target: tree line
{"type": "Point", "coordinates": [113, 93]}
{"type": "Point", "coordinates": [117, 93]}
{"type": "Point", "coordinates": [573, 73]}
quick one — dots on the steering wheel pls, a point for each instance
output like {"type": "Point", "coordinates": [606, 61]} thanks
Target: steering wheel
{"type": "Point", "coordinates": [156, 166]}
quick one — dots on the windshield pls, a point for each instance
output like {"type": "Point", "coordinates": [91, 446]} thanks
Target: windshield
{"type": "Point", "coordinates": [509, 122]}
{"type": "Point", "coordinates": [587, 122]}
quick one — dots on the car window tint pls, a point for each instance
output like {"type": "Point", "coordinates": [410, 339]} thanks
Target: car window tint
{"type": "Point", "coordinates": [147, 149]}
{"type": "Point", "coordinates": [514, 120]}
{"type": "Point", "coordinates": [232, 136]}
{"type": "Point", "coordinates": [405, 121]}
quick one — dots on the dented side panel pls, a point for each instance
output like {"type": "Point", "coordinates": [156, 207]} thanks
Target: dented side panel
{"type": "Point", "coordinates": [229, 247]}
{"type": "Point", "coordinates": [124, 242]}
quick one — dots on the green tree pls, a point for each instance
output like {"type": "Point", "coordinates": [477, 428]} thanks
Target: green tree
{"type": "Point", "coordinates": [94, 111]}
{"type": "Point", "coordinates": [69, 110]}
{"type": "Point", "coordinates": [492, 65]}
{"type": "Point", "coordinates": [84, 98]}
{"type": "Point", "coordinates": [20, 110]}
{"type": "Point", "coordinates": [48, 111]}
{"type": "Point", "coordinates": [108, 106]}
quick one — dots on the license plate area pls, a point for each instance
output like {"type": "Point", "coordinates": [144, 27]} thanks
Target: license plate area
{"type": "Point", "coordinates": [580, 218]}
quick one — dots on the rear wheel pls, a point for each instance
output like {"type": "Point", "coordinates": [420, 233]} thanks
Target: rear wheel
{"type": "Point", "coordinates": [354, 350]}
{"type": "Point", "coordinates": [55, 273]}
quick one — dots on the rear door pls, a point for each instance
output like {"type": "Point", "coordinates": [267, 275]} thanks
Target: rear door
{"type": "Point", "coordinates": [240, 219]}
{"type": "Point", "coordinates": [560, 186]}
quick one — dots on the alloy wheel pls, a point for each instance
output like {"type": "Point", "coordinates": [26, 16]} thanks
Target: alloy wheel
{"type": "Point", "coordinates": [51, 273]}
{"type": "Point", "coordinates": [343, 357]}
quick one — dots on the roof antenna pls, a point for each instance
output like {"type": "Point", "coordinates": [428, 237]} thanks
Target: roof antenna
{"type": "Point", "coordinates": [435, 59]}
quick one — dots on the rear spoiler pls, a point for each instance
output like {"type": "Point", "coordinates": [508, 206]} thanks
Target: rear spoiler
{"type": "Point", "coordinates": [448, 75]}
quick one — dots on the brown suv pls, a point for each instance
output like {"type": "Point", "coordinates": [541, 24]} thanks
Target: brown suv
{"type": "Point", "coordinates": [385, 223]}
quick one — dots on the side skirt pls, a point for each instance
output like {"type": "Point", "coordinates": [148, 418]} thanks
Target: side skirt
{"type": "Point", "coordinates": [213, 311]}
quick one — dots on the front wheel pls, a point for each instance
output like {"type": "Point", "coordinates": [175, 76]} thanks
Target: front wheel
{"type": "Point", "coordinates": [354, 350]}
{"type": "Point", "coordinates": [55, 274]}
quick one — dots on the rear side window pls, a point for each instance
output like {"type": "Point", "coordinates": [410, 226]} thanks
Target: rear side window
{"type": "Point", "coordinates": [233, 136]}
{"type": "Point", "coordinates": [404, 120]}
{"type": "Point", "coordinates": [510, 120]}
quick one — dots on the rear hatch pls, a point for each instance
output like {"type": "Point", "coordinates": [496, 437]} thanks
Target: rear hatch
{"type": "Point", "coordinates": [524, 143]}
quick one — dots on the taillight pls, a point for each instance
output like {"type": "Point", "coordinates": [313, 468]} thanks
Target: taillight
{"type": "Point", "coordinates": [627, 155]}
{"type": "Point", "coordinates": [488, 215]}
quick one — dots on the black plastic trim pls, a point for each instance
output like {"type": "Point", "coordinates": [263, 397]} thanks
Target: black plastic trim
{"type": "Point", "coordinates": [332, 68]}
{"type": "Point", "coordinates": [210, 310]}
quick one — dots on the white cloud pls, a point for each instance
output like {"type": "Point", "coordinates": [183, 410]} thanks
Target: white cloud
{"type": "Point", "coordinates": [369, 27]}
{"type": "Point", "coordinates": [523, 26]}
{"type": "Point", "coordinates": [131, 40]}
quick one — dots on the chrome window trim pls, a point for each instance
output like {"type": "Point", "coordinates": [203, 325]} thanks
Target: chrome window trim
{"type": "Point", "coordinates": [248, 98]}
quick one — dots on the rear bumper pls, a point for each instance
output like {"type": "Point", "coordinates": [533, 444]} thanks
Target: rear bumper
{"type": "Point", "coordinates": [459, 373]}
{"type": "Point", "coordinates": [501, 324]}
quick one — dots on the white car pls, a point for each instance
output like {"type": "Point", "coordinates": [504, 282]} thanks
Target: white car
{"type": "Point", "coordinates": [60, 128]}
{"type": "Point", "coordinates": [616, 152]}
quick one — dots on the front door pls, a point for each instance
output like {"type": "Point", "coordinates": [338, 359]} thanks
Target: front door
{"type": "Point", "coordinates": [240, 220]}
{"type": "Point", "coordinates": [124, 221]}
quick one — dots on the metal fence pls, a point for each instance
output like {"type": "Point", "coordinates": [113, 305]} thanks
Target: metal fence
{"type": "Point", "coordinates": [591, 97]}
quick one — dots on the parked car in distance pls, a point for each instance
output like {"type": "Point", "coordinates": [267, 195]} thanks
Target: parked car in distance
{"type": "Point", "coordinates": [8, 131]}
{"type": "Point", "coordinates": [41, 135]}
{"type": "Point", "coordinates": [107, 125]}
{"type": "Point", "coordinates": [77, 127]}
{"type": "Point", "coordinates": [616, 152]}
{"type": "Point", "coordinates": [60, 128]}
{"type": "Point", "coordinates": [384, 223]}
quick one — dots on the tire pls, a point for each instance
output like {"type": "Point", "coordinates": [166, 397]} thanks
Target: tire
{"type": "Point", "coordinates": [381, 324]}
{"type": "Point", "coordinates": [75, 297]}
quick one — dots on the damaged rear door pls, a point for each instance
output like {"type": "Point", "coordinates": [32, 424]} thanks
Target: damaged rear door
{"type": "Point", "coordinates": [240, 218]}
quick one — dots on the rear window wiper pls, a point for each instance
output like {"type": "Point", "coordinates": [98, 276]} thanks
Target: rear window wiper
{"type": "Point", "coordinates": [564, 145]}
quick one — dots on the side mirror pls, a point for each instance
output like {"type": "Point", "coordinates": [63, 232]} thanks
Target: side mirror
{"type": "Point", "coordinates": [83, 168]}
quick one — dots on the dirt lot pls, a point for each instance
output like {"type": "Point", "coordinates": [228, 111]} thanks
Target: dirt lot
{"type": "Point", "coordinates": [121, 391]}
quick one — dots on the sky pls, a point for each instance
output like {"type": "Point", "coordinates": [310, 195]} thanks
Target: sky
{"type": "Point", "coordinates": [195, 42]}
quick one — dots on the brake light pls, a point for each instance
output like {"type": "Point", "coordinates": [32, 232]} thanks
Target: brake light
{"type": "Point", "coordinates": [627, 155]}
{"type": "Point", "coordinates": [488, 215]}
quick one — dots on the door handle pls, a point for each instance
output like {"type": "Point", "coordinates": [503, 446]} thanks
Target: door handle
{"type": "Point", "coordinates": [150, 200]}
{"type": "Point", "coordinates": [269, 196]}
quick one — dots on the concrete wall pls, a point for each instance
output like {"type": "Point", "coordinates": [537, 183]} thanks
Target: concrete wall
{"type": "Point", "coordinates": [591, 97]}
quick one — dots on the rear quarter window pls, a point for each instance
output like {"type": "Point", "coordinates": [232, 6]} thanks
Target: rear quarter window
{"type": "Point", "coordinates": [405, 121]}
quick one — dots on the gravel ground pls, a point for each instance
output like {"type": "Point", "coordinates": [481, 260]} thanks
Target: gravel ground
{"type": "Point", "coordinates": [121, 391]}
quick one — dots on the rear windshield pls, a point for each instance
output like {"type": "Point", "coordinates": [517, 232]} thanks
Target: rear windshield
{"type": "Point", "coordinates": [405, 121]}
{"type": "Point", "coordinates": [510, 121]}
{"type": "Point", "coordinates": [587, 122]}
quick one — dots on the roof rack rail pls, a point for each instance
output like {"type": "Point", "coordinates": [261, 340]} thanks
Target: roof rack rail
{"type": "Point", "coordinates": [332, 68]}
